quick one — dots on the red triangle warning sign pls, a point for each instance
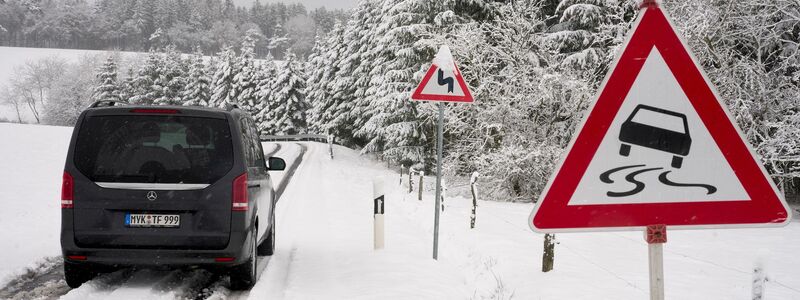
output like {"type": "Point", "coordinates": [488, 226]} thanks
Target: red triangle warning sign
{"type": "Point", "coordinates": [443, 82]}
{"type": "Point", "coordinates": [657, 147]}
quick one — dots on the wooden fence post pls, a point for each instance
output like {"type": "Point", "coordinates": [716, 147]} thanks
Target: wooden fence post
{"type": "Point", "coordinates": [549, 252]}
{"type": "Point", "coordinates": [410, 182]}
{"type": "Point", "coordinates": [473, 187]}
{"type": "Point", "coordinates": [421, 176]}
{"type": "Point", "coordinates": [401, 174]}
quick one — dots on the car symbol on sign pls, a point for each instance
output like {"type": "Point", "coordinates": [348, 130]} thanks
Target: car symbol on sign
{"type": "Point", "coordinates": [658, 129]}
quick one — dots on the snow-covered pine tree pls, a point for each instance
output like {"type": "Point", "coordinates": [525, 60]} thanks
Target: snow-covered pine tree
{"type": "Point", "coordinates": [290, 99]}
{"type": "Point", "coordinates": [145, 88]}
{"type": "Point", "coordinates": [197, 91]}
{"type": "Point", "coordinates": [749, 49]}
{"type": "Point", "coordinates": [383, 47]}
{"type": "Point", "coordinates": [279, 41]}
{"type": "Point", "coordinates": [127, 87]}
{"type": "Point", "coordinates": [265, 104]}
{"type": "Point", "coordinates": [394, 127]}
{"type": "Point", "coordinates": [222, 82]}
{"type": "Point", "coordinates": [322, 69]}
{"type": "Point", "coordinates": [171, 78]}
{"type": "Point", "coordinates": [351, 75]}
{"type": "Point", "coordinates": [398, 129]}
{"type": "Point", "coordinates": [107, 88]}
{"type": "Point", "coordinates": [587, 33]}
{"type": "Point", "coordinates": [243, 91]}
{"type": "Point", "coordinates": [527, 107]}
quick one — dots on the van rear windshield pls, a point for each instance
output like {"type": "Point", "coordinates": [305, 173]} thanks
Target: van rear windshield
{"type": "Point", "coordinates": [154, 149]}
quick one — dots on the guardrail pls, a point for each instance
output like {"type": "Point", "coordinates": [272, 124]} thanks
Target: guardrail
{"type": "Point", "coordinates": [295, 137]}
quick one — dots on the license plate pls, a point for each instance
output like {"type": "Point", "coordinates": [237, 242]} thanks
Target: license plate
{"type": "Point", "coordinates": [152, 220]}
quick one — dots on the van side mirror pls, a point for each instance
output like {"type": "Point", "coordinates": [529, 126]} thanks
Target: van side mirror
{"type": "Point", "coordinates": [276, 164]}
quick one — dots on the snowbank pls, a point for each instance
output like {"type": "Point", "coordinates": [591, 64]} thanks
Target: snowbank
{"type": "Point", "coordinates": [32, 160]}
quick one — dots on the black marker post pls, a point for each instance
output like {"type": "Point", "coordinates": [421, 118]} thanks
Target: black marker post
{"type": "Point", "coordinates": [378, 199]}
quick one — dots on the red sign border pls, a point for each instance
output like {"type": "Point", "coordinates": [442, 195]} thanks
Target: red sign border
{"type": "Point", "coordinates": [419, 96]}
{"type": "Point", "coordinates": [653, 29]}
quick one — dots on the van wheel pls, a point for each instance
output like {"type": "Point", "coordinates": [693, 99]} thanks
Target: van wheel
{"type": "Point", "coordinates": [268, 246]}
{"type": "Point", "coordinates": [625, 149]}
{"type": "Point", "coordinates": [677, 161]}
{"type": "Point", "coordinates": [243, 277]}
{"type": "Point", "coordinates": [76, 275]}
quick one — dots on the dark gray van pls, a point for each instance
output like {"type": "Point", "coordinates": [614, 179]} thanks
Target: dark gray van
{"type": "Point", "coordinates": [166, 186]}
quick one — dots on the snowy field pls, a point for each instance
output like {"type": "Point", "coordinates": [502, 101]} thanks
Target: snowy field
{"type": "Point", "coordinates": [324, 248]}
{"type": "Point", "coordinates": [11, 57]}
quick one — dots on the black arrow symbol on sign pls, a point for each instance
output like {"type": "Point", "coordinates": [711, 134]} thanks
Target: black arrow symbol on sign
{"type": "Point", "coordinates": [448, 81]}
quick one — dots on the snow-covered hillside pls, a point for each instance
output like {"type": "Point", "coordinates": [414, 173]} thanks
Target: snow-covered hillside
{"type": "Point", "coordinates": [325, 251]}
{"type": "Point", "coordinates": [11, 57]}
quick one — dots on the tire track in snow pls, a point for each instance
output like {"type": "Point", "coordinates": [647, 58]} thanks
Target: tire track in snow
{"type": "Point", "coordinates": [271, 153]}
{"type": "Point", "coordinates": [275, 279]}
{"type": "Point", "coordinates": [290, 171]}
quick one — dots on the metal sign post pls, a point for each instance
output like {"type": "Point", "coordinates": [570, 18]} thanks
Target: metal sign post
{"type": "Point", "coordinates": [439, 130]}
{"type": "Point", "coordinates": [656, 236]}
{"type": "Point", "coordinates": [449, 86]}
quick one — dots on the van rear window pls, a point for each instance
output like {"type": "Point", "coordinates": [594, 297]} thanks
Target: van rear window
{"type": "Point", "coordinates": [154, 149]}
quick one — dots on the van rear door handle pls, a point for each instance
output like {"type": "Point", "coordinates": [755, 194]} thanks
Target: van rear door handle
{"type": "Point", "coordinates": [254, 185]}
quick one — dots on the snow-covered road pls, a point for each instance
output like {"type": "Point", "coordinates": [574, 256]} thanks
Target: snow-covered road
{"type": "Point", "coordinates": [324, 243]}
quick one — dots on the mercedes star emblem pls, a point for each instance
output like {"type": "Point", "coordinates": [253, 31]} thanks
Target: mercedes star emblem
{"type": "Point", "coordinates": [151, 195]}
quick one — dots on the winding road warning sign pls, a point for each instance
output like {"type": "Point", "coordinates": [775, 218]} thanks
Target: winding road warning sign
{"type": "Point", "coordinates": [657, 147]}
{"type": "Point", "coordinates": [443, 82]}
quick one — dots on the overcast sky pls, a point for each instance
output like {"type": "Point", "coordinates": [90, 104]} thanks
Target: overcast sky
{"type": "Point", "coordinates": [310, 4]}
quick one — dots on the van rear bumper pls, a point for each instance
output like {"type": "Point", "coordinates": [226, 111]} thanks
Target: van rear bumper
{"type": "Point", "coordinates": [156, 257]}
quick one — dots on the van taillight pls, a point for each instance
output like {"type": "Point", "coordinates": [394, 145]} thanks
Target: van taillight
{"type": "Point", "coordinates": [67, 190]}
{"type": "Point", "coordinates": [240, 193]}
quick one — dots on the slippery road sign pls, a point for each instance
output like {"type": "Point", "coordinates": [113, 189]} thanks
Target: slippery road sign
{"type": "Point", "coordinates": [443, 82]}
{"type": "Point", "coordinates": [657, 147]}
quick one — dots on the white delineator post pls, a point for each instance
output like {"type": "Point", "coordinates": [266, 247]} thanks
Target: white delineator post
{"type": "Point", "coordinates": [656, 237]}
{"type": "Point", "coordinates": [378, 201]}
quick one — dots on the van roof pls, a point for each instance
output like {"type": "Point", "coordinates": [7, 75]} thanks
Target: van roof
{"type": "Point", "coordinates": [191, 111]}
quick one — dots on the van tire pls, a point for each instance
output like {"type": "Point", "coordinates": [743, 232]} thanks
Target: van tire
{"type": "Point", "coordinates": [243, 277]}
{"type": "Point", "coordinates": [75, 275]}
{"type": "Point", "coordinates": [267, 247]}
